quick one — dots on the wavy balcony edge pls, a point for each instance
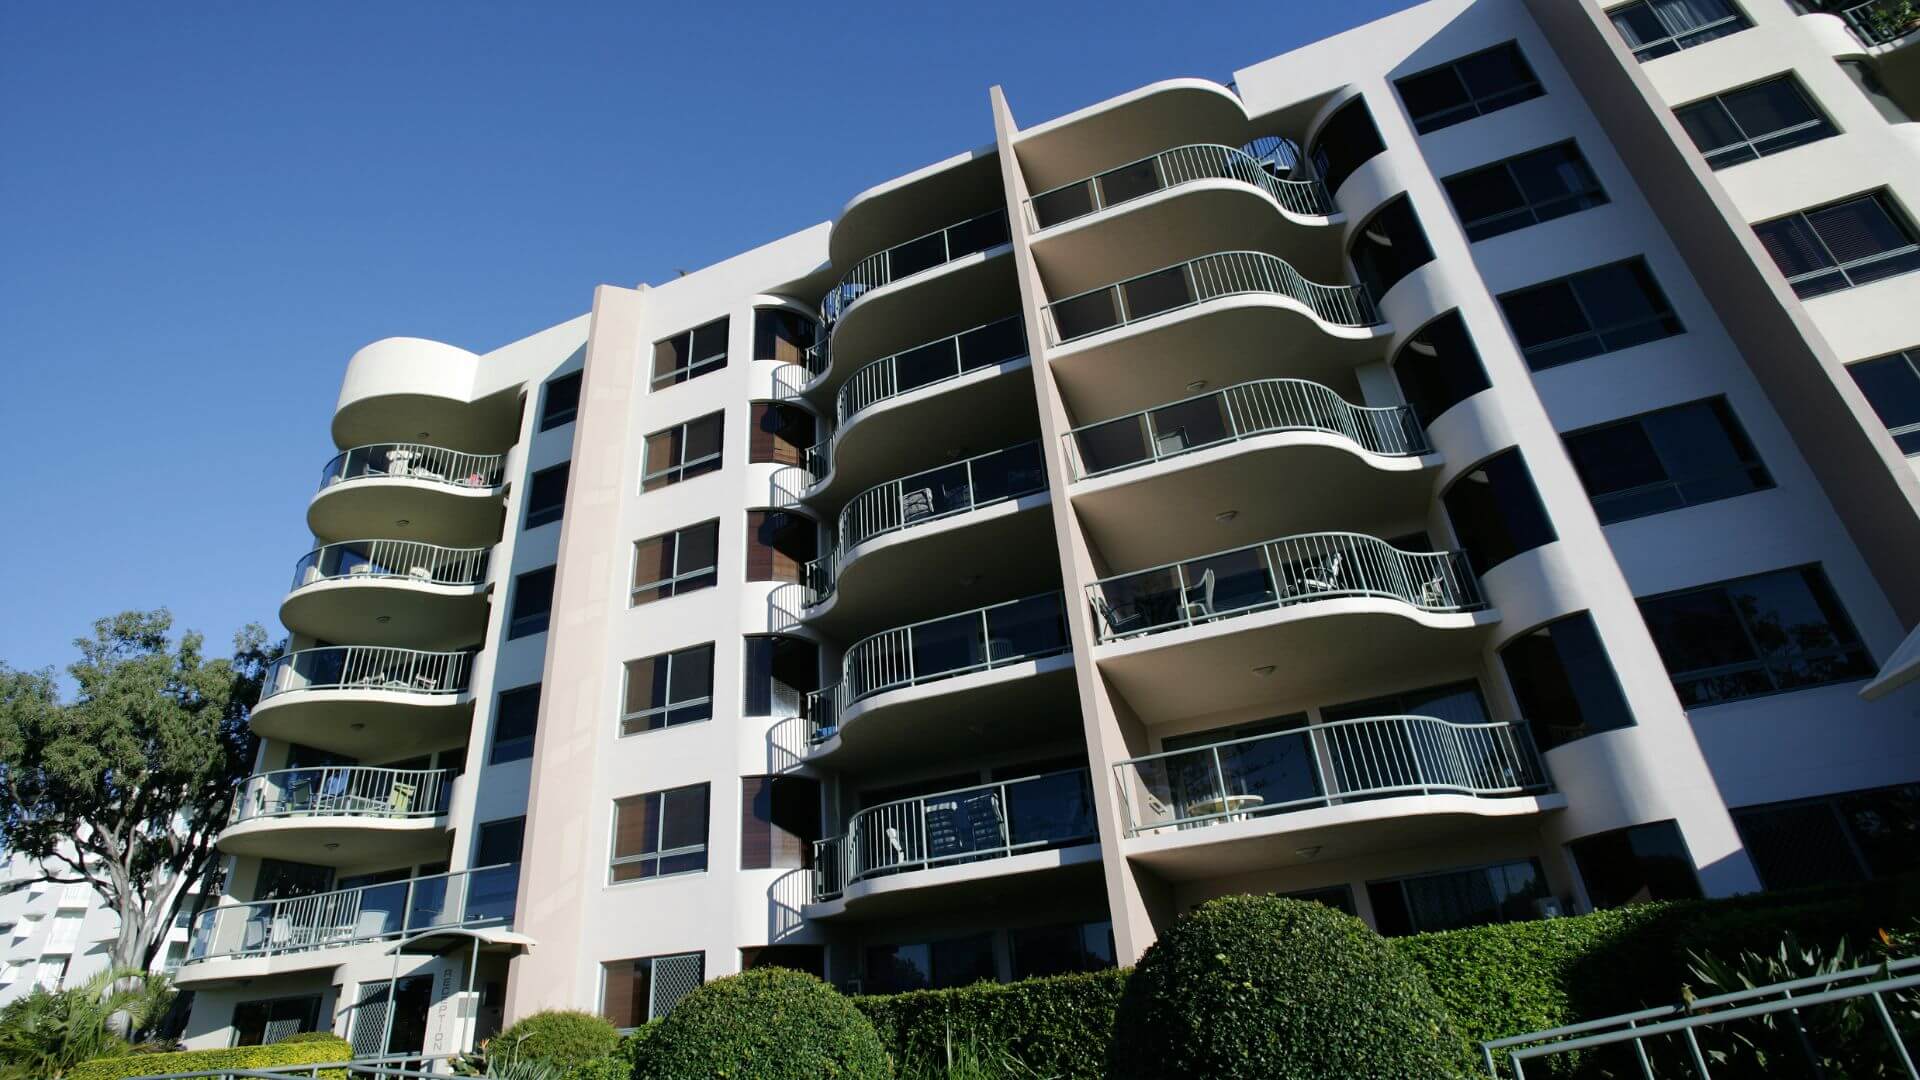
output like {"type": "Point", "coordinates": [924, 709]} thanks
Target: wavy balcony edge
{"type": "Point", "coordinates": [1193, 282]}
{"type": "Point", "coordinates": [1304, 198]}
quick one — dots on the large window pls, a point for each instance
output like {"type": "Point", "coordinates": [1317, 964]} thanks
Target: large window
{"type": "Point", "coordinates": [1505, 892]}
{"type": "Point", "coordinates": [547, 496]}
{"type": "Point", "coordinates": [1534, 187]}
{"type": "Point", "coordinates": [1439, 368]}
{"type": "Point", "coordinates": [1663, 460]}
{"type": "Point", "coordinates": [683, 452]}
{"type": "Point", "coordinates": [676, 562]}
{"type": "Point", "coordinates": [259, 1023]}
{"type": "Point", "coordinates": [1061, 950]}
{"type": "Point", "coordinates": [1834, 839]}
{"type": "Point", "coordinates": [668, 690]}
{"type": "Point", "coordinates": [532, 603]}
{"type": "Point", "coordinates": [1654, 28]}
{"type": "Point", "coordinates": [1756, 635]}
{"type": "Point", "coordinates": [780, 435]}
{"type": "Point", "coordinates": [1344, 143]}
{"type": "Point", "coordinates": [634, 992]}
{"type": "Point", "coordinates": [779, 821]}
{"type": "Point", "coordinates": [1564, 682]}
{"type": "Point", "coordinates": [660, 834]}
{"type": "Point", "coordinates": [562, 402]}
{"type": "Point", "coordinates": [1389, 246]}
{"type": "Point", "coordinates": [1468, 87]}
{"type": "Point", "coordinates": [515, 719]}
{"type": "Point", "coordinates": [1841, 245]}
{"type": "Point", "coordinates": [1753, 121]}
{"type": "Point", "coordinates": [779, 543]}
{"type": "Point", "coordinates": [1892, 386]}
{"type": "Point", "coordinates": [1595, 311]}
{"type": "Point", "coordinates": [500, 842]}
{"type": "Point", "coordinates": [783, 336]}
{"type": "Point", "coordinates": [699, 351]}
{"type": "Point", "coordinates": [1636, 865]}
{"type": "Point", "coordinates": [1496, 511]}
{"type": "Point", "coordinates": [933, 965]}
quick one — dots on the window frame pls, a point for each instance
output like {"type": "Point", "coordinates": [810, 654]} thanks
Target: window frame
{"type": "Point", "coordinates": [553, 513]}
{"type": "Point", "coordinates": [684, 469]}
{"type": "Point", "coordinates": [1587, 727]}
{"type": "Point", "coordinates": [1759, 660]}
{"type": "Point", "coordinates": [624, 728]}
{"type": "Point", "coordinates": [1400, 881]}
{"type": "Point", "coordinates": [1749, 142]}
{"type": "Point", "coordinates": [1902, 433]}
{"type": "Point", "coordinates": [1527, 213]}
{"type": "Point", "coordinates": [695, 366]}
{"type": "Point", "coordinates": [673, 584]}
{"type": "Point", "coordinates": [494, 742]}
{"type": "Point", "coordinates": [1599, 334]}
{"type": "Point", "coordinates": [519, 625]}
{"type": "Point", "coordinates": [1677, 40]}
{"type": "Point", "coordinates": [1896, 216]}
{"type": "Point", "coordinates": [548, 419]}
{"type": "Point", "coordinates": [1752, 466]}
{"type": "Point", "coordinates": [704, 848]}
{"type": "Point", "coordinates": [653, 963]}
{"type": "Point", "coordinates": [1387, 263]}
{"type": "Point", "coordinates": [1475, 106]}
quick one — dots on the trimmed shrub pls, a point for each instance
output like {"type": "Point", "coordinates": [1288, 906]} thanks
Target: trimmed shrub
{"type": "Point", "coordinates": [317, 1037]}
{"type": "Point", "coordinates": [1057, 1026]}
{"type": "Point", "coordinates": [556, 1037]}
{"type": "Point", "coordinates": [1258, 987]}
{"type": "Point", "coordinates": [769, 1024]}
{"type": "Point", "coordinates": [239, 1057]}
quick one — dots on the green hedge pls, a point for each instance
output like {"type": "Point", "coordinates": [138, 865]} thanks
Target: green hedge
{"type": "Point", "coordinates": [238, 1057]}
{"type": "Point", "coordinates": [1058, 1026]}
{"type": "Point", "coordinates": [767, 1023]}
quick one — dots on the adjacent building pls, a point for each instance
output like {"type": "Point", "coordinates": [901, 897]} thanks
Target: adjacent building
{"type": "Point", "coordinates": [56, 935]}
{"type": "Point", "coordinates": [1455, 471]}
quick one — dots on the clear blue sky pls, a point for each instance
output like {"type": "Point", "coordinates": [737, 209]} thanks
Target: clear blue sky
{"type": "Point", "coordinates": [206, 208]}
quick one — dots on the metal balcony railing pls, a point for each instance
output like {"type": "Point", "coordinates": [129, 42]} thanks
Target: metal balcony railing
{"type": "Point", "coordinates": [1171, 168]}
{"type": "Point", "coordinates": [344, 791]}
{"type": "Point", "coordinates": [1196, 281]}
{"type": "Point", "coordinates": [1030, 628]}
{"type": "Point", "coordinates": [1878, 22]}
{"type": "Point", "coordinates": [920, 254]}
{"type": "Point", "coordinates": [1326, 765]}
{"type": "Point", "coordinates": [969, 484]}
{"type": "Point", "coordinates": [368, 667]}
{"type": "Point", "coordinates": [479, 897]}
{"type": "Point", "coordinates": [973, 824]}
{"type": "Point", "coordinates": [1279, 573]}
{"type": "Point", "coordinates": [414, 461]}
{"type": "Point", "coordinates": [427, 564]}
{"type": "Point", "coordinates": [1239, 412]}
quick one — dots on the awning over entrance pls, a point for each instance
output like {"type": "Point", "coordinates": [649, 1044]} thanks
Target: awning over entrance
{"type": "Point", "coordinates": [481, 939]}
{"type": "Point", "coordinates": [1900, 669]}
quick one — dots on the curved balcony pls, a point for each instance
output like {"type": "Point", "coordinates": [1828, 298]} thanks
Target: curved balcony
{"type": "Point", "coordinates": [341, 814]}
{"type": "Point", "coordinates": [366, 701]}
{"type": "Point", "coordinates": [1196, 281]}
{"type": "Point", "coordinates": [957, 831]}
{"type": "Point", "coordinates": [438, 495]}
{"type": "Point", "coordinates": [410, 388]}
{"type": "Point", "coordinates": [389, 592]}
{"type": "Point", "coordinates": [915, 256]}
{"type": "Point", "coordinates": [1303, 198]}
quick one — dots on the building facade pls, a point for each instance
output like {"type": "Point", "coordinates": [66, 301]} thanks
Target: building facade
{"type": "Point", "coordinates": [57, 936]}
{"type": "Point", "coordinates": [1455, 472]}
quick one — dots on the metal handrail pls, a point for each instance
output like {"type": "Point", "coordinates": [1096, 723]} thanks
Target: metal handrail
{"type": "Point", "coordinates": [415, 461]}
{"type": "Point", "coordinates": [964, 825]}
{"type": "Point", "coordinates": [368, 667]}
{"type": "Point", "coordinates": [915, 256]}
{"type": "Point", "coordinates": [1362, 758]}
{"type": "Point", "coordinates": [1878, 22]}
{"type": "Point", "coordinates": [1182, 285]}
{"type": "Point", "coordinates": [940, 648]}
{"type": "Point", "coordinates": [927, 496]}
{"type": "Point", "coordinates": [343, 790]}
{"type": "Point", "coordinates": [428, 564]}
{"type": "Point", "coordinates": [1279, 573]}
{"type": "Point", "coordinates": [1261, 407]}
{"type": "Point", "coordinates": [1182, 165]}
{"type": "Point", "coordinates": [477, 897]}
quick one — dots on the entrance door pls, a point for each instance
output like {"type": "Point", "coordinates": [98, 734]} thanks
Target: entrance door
{"type": "Point", "coordinates": [408, 1031]}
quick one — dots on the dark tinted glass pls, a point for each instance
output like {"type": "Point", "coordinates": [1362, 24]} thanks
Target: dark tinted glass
{"type": "Point", "coordinates": [1892, 386]}
{"type": "Point", "coordinates": [1679, 456]}
{"type": "Point", "coordinates": [500, 842]}
{"type": "Point", "coordinates": [1835, 839]}
{"type": "Point", "coordinates": [1564, 682]}
{"type": "Point", "coordinates": [1756, 635]}
{"type": "Point", "coordinates": [1507, 892]}
{"type": "Point", "coordinates": [1469, 87]}
{"type": "Point", "coordinates": [1595, 311]}
{"type": "Point", "coordinates": [1525, 190]}
{"type": "Point", "coordinates": [514, 721]}
{"type": "Point", "coordinates": [562, 401]}
{"type": "Point", "coordinates": [1656, 28]}
{"type": "Point", "coordinates": [1636, 865]}
{"type": "Point", "coordinates": [1345, 142]}
{"type": "Point", "coordinates": [1496, 511]}
{"type": "Point", "coordinates": [1835, 247]}
{"type": "Point", "coordinates": [547, 496]}
{"type": "Point", "coordinates": [1438, 368]}
{"type": "Point", "coordinates": [532, 603]}
{"type": "Point", "coordinates": [1389, 246]}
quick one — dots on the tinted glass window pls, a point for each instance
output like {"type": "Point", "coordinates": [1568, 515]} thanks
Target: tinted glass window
{"type": "Point", "coordinates": [783, 336]}
{"type": "Point", "coordinates": [1496, 511]}
{"type": "Point", "coordinates": [668, 690]}
{"type": "Point", "coordinates": [689, 355]}
{"type": "Point", "coordinates": [1834, 839]}
{"type": "Point", "coordinates": [660, 833]}
{"type": "Point", "coordinates": [532, 603]}
{"type": "Point", "coordinates": [1663, 460]}
{"type": "Point", "coordinates": [1595, 311]}
{"type": "Point", "coordinates": [1564, 682]}
{"type": "Point", "coordinates": [929, 966]}
{"type": "Point", "coordinates": [1469, 87]}
{"type": "Point", "coordinates": [500, 842]}
{"type": "Point", "coordinates": [1757, 635]}
{"type": "Point", "coordinates": [547, 496]}
{"type": "Point", "coordinates": [1655, 28]}
{"type": "Point", "coordinates": [514, 721]}
{"type": "Point", "coordinates": [1844, 244]}
{"type": "Point", "coordinates": [1061, 950]}
{"type": "Point", "coordinates": [675, 562]}
{"type": "Point", "coordinates": [1389, 247]}
{"type": "Point", "coordinates": [562, 402]}
{"type": "Point", "coordinates": [1892, 386]}
{"type": "Point", "coordinates": [1345, 142]}
{"type": "Point", "coordinates": [1506, 892]}
{"type": "Point", "coordinates": [1752, 122]}
{"type": "Point", "coordinates": [683, 452]}
{"type": "Point", "coordinates": [1636, 865]}
{"type": "Point", "coordinates": [1522, 191]}
{"type": "Point", "coordinates": [1438, 368]}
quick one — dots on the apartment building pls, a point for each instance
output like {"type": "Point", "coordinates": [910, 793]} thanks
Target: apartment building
{"type": "Point", "coordinates": [58, 935]}
{"type": "Point", "coordinates": [1455, 471]}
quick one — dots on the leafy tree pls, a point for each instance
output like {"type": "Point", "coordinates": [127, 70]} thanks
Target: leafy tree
{"type": "Point", "coordinates": [126, 786]}
{"type": "Point", "coordinates": [47, 1032]}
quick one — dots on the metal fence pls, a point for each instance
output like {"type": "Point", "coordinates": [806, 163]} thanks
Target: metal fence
{"type": "Point", "coordinates": [1196, 281]}
{"type": "Point", "coordinates": [1171, 168]}
{"type": "Point", "coordinates": [1238, 412]}
{"type": "Point", "coordinates": [428, 564]}
{"type": "Point", "coordinates": [1878, 22]}
{"type": "Point", "coordinates": [479, 897]}
{"type": "Point", "coordinates": [903, 260]}
{"type": "Point", "coordinates": [1279, 573]}
{"type": "Point", "coordinates": [344, 790]}
{"type": "Point", "coordinates": [368, 667]}
{"type": "Point", "coordinates": [1327, 764]}
{"type": "Point", "coordinates": [415, 461]}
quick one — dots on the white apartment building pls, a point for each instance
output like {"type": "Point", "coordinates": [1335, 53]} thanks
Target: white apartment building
{"type": "Point", "coordinates": [58, 935]}
{"type": "Point", "coordinates": [1454, 471]}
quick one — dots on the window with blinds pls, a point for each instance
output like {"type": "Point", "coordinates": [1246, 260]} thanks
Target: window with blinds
{"type": "Point", "coordinates": [779, 822]}
{"type": "Point", "coordinates": [780, 434]}
{"type": "Point", "coordinates": [668, 690]}
{"type": "Point", "coordinates": [683, 452]}
{"type": "Point", "coordinates": [660, 834]}
{"type": "Point", "coordinates": [689, 355]}
{"type": "Point", "coordinates": [636, 991]}
{"type": "Point", "coordinates": [1838, 246]}
{"type": "Point", "coordinates": [675, 562]}
{"type": "Point", "coordinates": [779, 543]}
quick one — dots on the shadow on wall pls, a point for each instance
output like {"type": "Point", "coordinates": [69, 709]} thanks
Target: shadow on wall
{"type": "Point", "coordinates": [786, 485]}
{"type": "Point", "coordinates": [785, 898]}
{"type": "Point", "coordinates": [786, 744]}
{"type": "Point", "coordinates": [784, 605]}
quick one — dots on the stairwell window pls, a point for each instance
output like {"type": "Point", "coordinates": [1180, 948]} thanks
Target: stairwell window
{"type": "Point", "coordinates": [668, 690]}
{"type": "Point", "coordinates": [532, 603]}
{"type": "Point", "coordinates": [1439, 368]}
{"type": "Point", "coordinates": [1753, 122]}
{"type": "Point", "coordinates": [1564, 682]}
{"type": "Point", "coordinates": [547, 496]}
{"type": "Point", "coordinates": [562, 402]}
{"type": "Point", "coordinates": [516, 715]}
{"type": "Point", "coordinates": [1345, 142]}
{"type": "Point", "coordinates": [1389, 246]}
{"type": "Point", "coordinates": [1666, 459]}
{"type": "Point", "coordinates": [1892, 386]}
{"type": "Point", "coordinates": [683, 452]}
{"type": "Point", "coordinates": [1656, 28]}
{"type": "Point", "coordinates": [1496, 511]}
{"type": "Point", "coordinates": [676, 562]}
{"type": "Point", "coordinates": [1537, 186]}
{"type": "Point", "coordinates": [660, 834]}
{"type": "Point", "coordinates": [1754, 636]}
{"type": "Point", "coordinates": [1595, 311]}
{"type": "Point", "coordinates": [1471, 86]}
{"type": "Point", "coordinates": [699, 351]}
{"type": "Point", "coordinates": [1841, 245]}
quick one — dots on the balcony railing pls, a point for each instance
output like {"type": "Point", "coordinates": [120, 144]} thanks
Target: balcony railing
{"type": "Point", "coordinates": [963, 486]}
{"type": "Point", "coordinates": [368, 667]}
{"type": "Point", "coordinates": [920, 254]}
{"type": "Point", "coordinates": [414, 461]}
{"type": "Point", "coordinates": [361, 560]}
{"type": "Point", "coordinates": [1239, 412]}
{"type": "Point", "coordinates": [991, 821]}
{"type": "Point", "coordinates": [1019, 630]}
{"type": "Point", "coordinates": [344, 791]}
{"type": "Point", "coordinates": [1878, 22]}
{"type": "Point", "coordinates": [1327, 765]}
{"type": "Point", "coordinates": [1276, 574]}
{"type": "Point", "coordinates": [1208, 277]}
{"type": "Point", "coordinates": [1171, 168]}
{"type": "Point", "coordinates": [479, 897]}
